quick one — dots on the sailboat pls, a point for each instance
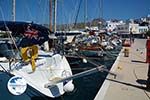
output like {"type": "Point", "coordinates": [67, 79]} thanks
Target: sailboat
{"type": "Point", "coordinates": [26, 61]}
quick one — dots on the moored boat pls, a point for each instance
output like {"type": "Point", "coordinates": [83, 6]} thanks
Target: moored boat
{"type": "Point", "coordinates": [25, 60]}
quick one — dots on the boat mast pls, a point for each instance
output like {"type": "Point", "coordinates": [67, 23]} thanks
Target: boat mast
{"type": "Point", "coordinates": [85, 12]}
{"type": "Point", "coordinates": [100, 13]}
{"type": "Point", "coordinates": [55, 14]}
{"type": "Point", "coordinates": [100, 9]}
{"type": "Point", "coordinates": [50, 9]}
{"type": "Point", "coordinates": [14, 10]}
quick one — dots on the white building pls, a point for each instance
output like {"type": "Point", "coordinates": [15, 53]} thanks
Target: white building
{"type": "Point", "coordinates": [143, 29]}
{"type": "Point", "coordinates": [112, 26]}
{"type": "Point", "coordinates": [131, 27]}
{"type": "Point", "coordinates": [134, 28]}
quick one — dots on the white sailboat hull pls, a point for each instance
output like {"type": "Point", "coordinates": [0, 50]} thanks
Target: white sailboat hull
{"type": "Point", "coordinates": [49, 68]}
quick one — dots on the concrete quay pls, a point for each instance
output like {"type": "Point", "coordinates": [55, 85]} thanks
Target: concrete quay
{"type": "Point", "coordinates": [131, 77]}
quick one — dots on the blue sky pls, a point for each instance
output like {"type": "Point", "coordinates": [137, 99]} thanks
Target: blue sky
{"type": "Point", "coordinates": [38, 10]}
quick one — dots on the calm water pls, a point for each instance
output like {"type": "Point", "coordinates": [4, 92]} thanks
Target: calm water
{"type": "Point", "coordinates": [86, 88]}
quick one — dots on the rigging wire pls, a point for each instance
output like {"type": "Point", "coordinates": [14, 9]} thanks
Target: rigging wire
{"type": "Point", "coordinates": [28, 10]}
{"type": "Point", "coordinates": [75, 24]}
{"type": "Point", "coordinates": [9, 32]}
{"type": "Point", "coordinates": [97, 65]}
{"type": "Point", "coordinates": [75, 10]}
{"type": "Point", "coordinates": [15, 47]}
{"type": "Point", "coordinates": [43, 8]}
{"type": "Point", "coordinates": [76, 19]}
{"type": "Point", "coordinates": [5, 70]}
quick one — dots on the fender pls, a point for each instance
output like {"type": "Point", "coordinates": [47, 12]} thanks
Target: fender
{"type": "Point", "coordinates": [29, 54]}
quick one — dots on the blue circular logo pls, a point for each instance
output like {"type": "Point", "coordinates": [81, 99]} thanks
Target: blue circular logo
{"type": "Point", "coordinates": [17, 85]}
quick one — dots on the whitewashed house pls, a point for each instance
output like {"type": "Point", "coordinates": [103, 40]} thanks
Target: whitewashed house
{"type": "Point", "coordinates": [112, 26]}
{"type": "Point", "coordinates": [143, 29]}
{"type": "Point", "coordinates": [132, 27]}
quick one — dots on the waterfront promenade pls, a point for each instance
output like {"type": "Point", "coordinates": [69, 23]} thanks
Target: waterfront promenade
{"type": "Point", "coordinates": [131, 77]}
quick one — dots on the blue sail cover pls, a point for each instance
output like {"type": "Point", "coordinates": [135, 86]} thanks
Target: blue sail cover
{"type": "Point", "coordinates": [19, 28]}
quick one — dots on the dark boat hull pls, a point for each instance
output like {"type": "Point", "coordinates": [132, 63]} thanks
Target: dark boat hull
{"type": "Point", "coordinates": [29, 94]}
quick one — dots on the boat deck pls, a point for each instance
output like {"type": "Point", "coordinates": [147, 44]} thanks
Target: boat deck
{"type": "Point", "coordinates": [131, 77]}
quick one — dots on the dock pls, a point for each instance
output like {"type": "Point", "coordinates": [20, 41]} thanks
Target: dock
{"type": "Point", "coordinates": [131, 77]}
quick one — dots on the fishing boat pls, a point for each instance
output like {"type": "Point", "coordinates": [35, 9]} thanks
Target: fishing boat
{"type": "Point", "coordinates": [28, 64]}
